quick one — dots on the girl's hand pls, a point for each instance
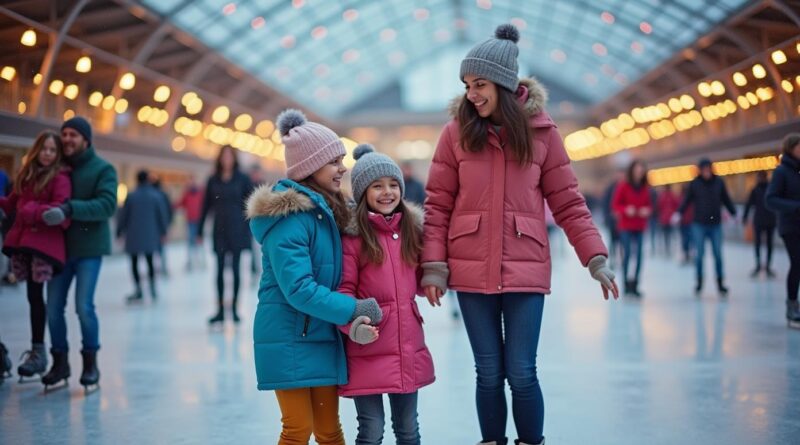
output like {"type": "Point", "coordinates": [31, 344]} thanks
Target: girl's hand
{"type": "Point", "coordinates": [361, 332]}
{"type": "Point", "coordinates": [434, 295]}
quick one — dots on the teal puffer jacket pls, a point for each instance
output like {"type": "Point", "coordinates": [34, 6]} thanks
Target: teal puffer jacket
{"type": "Point", "coordinates": [297, 344]}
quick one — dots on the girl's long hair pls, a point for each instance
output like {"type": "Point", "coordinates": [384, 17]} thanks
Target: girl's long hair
{"type": "Point", "coordinates": [475, 130]}
{"type": "Point", "coordinates": [32, 173]}
{"type": "Point", "coordinates": [336, 201]}
{"type": "Point", "coordinates": [410, 233]}
{"type": "Point", "coordinates": [631, 180]}
{"type": "Point", "coordinates": [218, 163]}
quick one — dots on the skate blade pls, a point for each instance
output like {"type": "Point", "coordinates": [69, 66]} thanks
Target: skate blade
{"type": "Point", "coordinates": [27, 379]}
{"type": "Point", "coordinates": [56, 386]}
{"type": "Point", "coordinates": [91, 389]}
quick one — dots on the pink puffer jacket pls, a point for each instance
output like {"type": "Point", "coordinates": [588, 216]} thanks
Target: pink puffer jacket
{"type": "Point", "coordinates": [484, 215]}
{"type": "Point", "coordinates": [398, 362]}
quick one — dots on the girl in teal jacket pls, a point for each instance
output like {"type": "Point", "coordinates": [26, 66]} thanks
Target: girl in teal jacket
{"type": "Point", "coordinates": [298, 349]}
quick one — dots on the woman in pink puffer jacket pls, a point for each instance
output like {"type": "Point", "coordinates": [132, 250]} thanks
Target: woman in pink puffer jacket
{"type": "Point", "coordinates": [381, 251]}
{"type": "Point", "coordinates": [485, 235]}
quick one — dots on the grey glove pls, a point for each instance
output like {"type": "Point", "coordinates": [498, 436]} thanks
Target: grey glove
{"type": "Point", "coordinates": [435, 273]}
{"type": "Point", "coordinates": [56, 215]}
{"type": "Point", "coordinates": [368, 307]}
{"type": "Point", "coordinates": [598, 268]}
{"type": "Point", "coordinates": [361, 332]}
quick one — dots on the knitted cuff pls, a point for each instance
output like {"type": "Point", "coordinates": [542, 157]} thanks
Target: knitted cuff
{"type": "Point", "coordinates": [435, 273]}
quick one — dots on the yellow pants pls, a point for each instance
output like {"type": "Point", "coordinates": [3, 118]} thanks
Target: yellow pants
{"type": "Point", "coordinates": [307, 410]}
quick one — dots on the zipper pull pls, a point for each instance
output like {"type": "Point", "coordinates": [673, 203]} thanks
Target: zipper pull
{"type": "Point", "coordinates": [305, 326]}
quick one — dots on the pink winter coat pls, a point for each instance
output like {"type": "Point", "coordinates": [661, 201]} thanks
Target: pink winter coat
{"type": "Point", "coordinates": [398, 362]}
{"type": "Point", "coordinates": [29, 233]}
{"type": "Point", "coordinates": [484, 215]}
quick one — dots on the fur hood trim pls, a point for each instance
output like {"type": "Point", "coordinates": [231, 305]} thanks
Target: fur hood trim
{"type": "Point", "coordinates": [266, 202]}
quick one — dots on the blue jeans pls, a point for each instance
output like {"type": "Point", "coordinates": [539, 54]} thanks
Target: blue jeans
{"type": "Point", "coordinates": [371, 419]}
{"type": "Point", "coordinates": [85, 271]}
{"type": "Point", "coordinates": [511, 357]}
{"type": "Point", "coordinates": [629, 237]}
{"type": "Point", "coordinates": [192, 230]}
{"type": "Point", "coordinates": [713, 232]}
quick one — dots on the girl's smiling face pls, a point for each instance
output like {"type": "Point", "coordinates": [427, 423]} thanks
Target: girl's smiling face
{"type": "Point", "coordinates": [383, 195]}
{"type": "Point", "coordinates": [329, 176]}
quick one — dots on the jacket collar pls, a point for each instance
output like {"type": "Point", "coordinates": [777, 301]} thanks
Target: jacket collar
{"type": "Point", "coordinates": [379, 222]}
{"type": "Point", "coordinates": [284, 198]}
{"type": "Point", "coordinates": [790, 162]}
{"type": "Point", "coordinates": [81, 158]}
{"type": "Point", "coordinates": [534, 98]}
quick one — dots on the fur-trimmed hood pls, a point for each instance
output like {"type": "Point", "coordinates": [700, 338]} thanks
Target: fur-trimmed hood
{"type": "Point", "coordinates": [265, 201]}
{"type": "Point", "coordinates": [534, 104]}
{"type": "Point", "coordinates": [413, 211]}
{"type": "Point", "coordinates": [268, 204]}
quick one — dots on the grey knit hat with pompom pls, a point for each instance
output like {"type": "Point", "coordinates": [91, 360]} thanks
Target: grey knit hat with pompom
{"type": "Point", "coordinates": [371, 166]}
{"type": "Point", "coordinates": [309, 145]}
{"type": "Point", "coordinates": [495, 59]}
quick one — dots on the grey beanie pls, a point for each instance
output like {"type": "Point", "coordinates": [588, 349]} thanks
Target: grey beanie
{"type": "Point", "coordinates": [495, 59]}
{"type": "Point", "coordinates": [371, 166]}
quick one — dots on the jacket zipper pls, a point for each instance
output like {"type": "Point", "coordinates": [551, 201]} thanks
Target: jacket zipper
{"type": "Point", "coordinates": [305, 325]}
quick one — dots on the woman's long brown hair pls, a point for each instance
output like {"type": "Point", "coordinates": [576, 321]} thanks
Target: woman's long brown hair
{"type": "Point", "coordinates": [411, 235]}
{"type": "Point", "coordinates": [32, 173]}
{"type": "Point", "coordinates": [475, 129]}
{"type": "Point", "coordinates": [336, 201]}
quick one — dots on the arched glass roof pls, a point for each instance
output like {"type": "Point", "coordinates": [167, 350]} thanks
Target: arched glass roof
{"type": "Point", "coordinates": [330, 55]}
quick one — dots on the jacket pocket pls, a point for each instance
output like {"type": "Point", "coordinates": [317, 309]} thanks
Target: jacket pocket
{"type": "Point", "coordinates": [532, 229]}
{"type": "Point", "coordinates": [417, 315]}
{"type": "Point", "coordinates": [464, 225]}
{"type": "Point", "coordinates": [311, 329]}
{"type": "Point", "coordinates": [387, 339]}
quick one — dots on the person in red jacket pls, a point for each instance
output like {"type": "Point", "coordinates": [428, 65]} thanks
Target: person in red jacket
{"type": "Point", "coordinates": [485, 234]}
{"type": "Point", "coordinates": [633, 207]}
{"type": "Point", "coordinates": [192, 204]}
{"type": "Point", "coordinates": [668, 203]}
{"type": "Point", "coordinates": [36, 249]}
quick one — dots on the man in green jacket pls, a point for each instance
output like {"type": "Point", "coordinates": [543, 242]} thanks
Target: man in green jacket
{"type": "Point", "coordinates": [94, 201]}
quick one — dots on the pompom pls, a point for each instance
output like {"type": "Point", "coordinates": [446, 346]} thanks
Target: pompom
{"type": "Point", "coordinates": [289, 119]}
{"type": "Point", "coordinates": [361, 150]}
{"type": "Point", "coordinates": [507, 32]}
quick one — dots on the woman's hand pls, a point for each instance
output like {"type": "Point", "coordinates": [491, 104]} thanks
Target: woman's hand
{"type": "Point", "coordinates": [598, 268]}
{"type": "Point", "coordinates": [434, 295]}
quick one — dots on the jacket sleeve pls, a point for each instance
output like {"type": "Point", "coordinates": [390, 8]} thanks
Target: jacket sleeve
{"type": "Point", "coordinates": [163, 217]}
{"type": "Point", "coordinates": [776, 190]}
{"type": "Point", "coordinates": [206, 208]}
{"type": "Point", "coordinates": [750, 202]}
{"type": "Point", "coordinates": [62, 191]}
{"type": "Point", "coordinates": [560, 188]}
{"type": "Point", "coordinates": [123, 218]}
{"type": "Point", "coordinates": [441, 191]}
{"type": "Point", "coordinates": [618, 201]}
{"type": "Point", "coordinates": [349, 284]}
{"type": "Point", "coordinates": [9, 203]}
{"type": "Point", "coordinates": [288, 250]}
{"type": "Point", "coordinates": [103, 203]}
{"type": "Point", "coordinates": [688, 199]}
{"type": "Point", "coordinates": [726, 199]}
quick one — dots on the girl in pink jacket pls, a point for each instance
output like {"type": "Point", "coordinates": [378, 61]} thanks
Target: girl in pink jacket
{"type": "Point", "coordinates": [381, 250]}
{"type": "Point", "coordinates": [485, 234]}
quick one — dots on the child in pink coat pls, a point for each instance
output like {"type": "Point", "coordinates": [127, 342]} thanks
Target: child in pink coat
{"type": "Point", "coordinates": [381, 250]}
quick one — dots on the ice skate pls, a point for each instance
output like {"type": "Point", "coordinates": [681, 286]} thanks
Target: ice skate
{"type": "Point", "coordinates": [33, 362]}
{"type": "Point", "coordinates": [793, 314]}
{"type": "Point", "coordinates": [5, 364]}
{"type": "Point", "coordinates": [58, 373]}
{"type": "Point", "coordinates": [90, 377]}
